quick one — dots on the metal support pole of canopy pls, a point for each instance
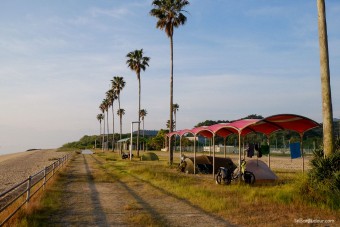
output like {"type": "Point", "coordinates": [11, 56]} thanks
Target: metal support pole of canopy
{"type": "Point", "coordinates": [225, 147]}
{"type": "Point", "coordinates": [239, 151]}
{"type": "Point", "coordinates": [302, 154]}
{"type": "Point", "coordinates": [269, 151]}
{"type": "Point", "coordinates": [195, 154]}
{"type": "Point", "coordinates": [213, 142]}
{"type": "Point", "coordinates": [180, 148]}
{"type": "Point", "coordinates": [244, 153]}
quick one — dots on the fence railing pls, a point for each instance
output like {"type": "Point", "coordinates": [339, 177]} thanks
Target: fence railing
{"type": "Point", "coordinates": [13, 199]}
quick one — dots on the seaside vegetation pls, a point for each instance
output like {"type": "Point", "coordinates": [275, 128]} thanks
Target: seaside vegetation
{"type": "Point", "coordinates": [323, 182]}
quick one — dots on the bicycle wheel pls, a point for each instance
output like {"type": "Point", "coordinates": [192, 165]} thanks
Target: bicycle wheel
{"type": "Point", "coordinates": [248, 177]}
{"type": "Point", "coordinates": [219, 177]}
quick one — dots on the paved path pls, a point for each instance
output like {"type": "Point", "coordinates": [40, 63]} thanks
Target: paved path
{"type": "Point", "coordinates": [90, 199]}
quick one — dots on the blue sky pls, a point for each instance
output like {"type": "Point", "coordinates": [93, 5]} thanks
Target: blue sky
{"type": "Point", "coordinates": [231, 59]}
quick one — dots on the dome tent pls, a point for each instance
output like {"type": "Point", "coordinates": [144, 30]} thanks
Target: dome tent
{"type": "Point", "coordinates": [149, 156]}
{"type": "Point", "coordinates": [261, 171]}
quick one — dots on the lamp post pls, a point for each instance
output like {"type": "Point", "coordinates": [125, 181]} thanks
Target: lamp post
{"type": "Point", "coordinates": [133, 122]}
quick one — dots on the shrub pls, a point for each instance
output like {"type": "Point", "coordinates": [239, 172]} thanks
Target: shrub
{"type": "Point", "coordinates": [323, 184]}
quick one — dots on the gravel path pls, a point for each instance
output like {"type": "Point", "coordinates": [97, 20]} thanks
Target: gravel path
{"type": "Point", "coordinates": [15, 168]}
{"type": "Point", "coordinates": [90, 203]}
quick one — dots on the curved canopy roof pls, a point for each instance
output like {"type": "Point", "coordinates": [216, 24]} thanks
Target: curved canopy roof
{"type": "Point", "coordinates": [243, 127]}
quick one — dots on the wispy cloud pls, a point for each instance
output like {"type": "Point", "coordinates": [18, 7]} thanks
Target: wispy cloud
{"type": "Point", "coordinates": [119, 13]}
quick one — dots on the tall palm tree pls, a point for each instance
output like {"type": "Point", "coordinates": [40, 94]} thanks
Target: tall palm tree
{"type": "Point", "coordinates": [100, 117]}
{"type": "Point", "coordinates": [106, 103]}
{"type": "Point", "coordinates": [142, 115]}
{"type": "Point", "coordinates": [175, 108]}
{"type": "Point", "coordinates": [118, 84]}
{"type": "Point", "coordinates": [327, 111]}
{"type": "Point", "coordinates": [137, 62]}
{"type": "Point", "coordinates": [112, 96]}
{"type": "Point", "coordinates": [120, 113]}
{"type": "Point", "coordinates": [102, 108]}
{"type": "Point", "coordinates": [170, 15]}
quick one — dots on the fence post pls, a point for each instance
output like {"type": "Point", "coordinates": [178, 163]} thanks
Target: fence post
{"type": "Point", "coordinates": [53, 169]}
{"type": "Point", "coordinates": [28, 194]}
{"type": "Point", "coordinates": [45, 170]}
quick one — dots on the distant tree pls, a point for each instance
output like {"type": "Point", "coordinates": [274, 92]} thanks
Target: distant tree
{"type": "Point", "coordinates": [112, 96]}
{"type": "Point", "coordinates": [118, 84]}
{"type": "Point", "coordinates": [107, 104]}
{"type": "Point", "coordinates": [102, 107]}
{"type": "Point", "coordinates": [120, 113]}
{"type": "Point", "coordinates": [142, 114]}
{"type": "Point", "coordinates": [210, 122]}
{"type": "Point", "coordinates": [100, 117]}
{"type": "Point", "coordinates": [137, 62]}
{"type": "Point", "coordinates": [175, 109]}
{"type": "Point", "coordinates": [253, 116]}
{"type": "Point", "coordinates": [157, 142]}
{"type": "Point", "coordinates": [168, 125]}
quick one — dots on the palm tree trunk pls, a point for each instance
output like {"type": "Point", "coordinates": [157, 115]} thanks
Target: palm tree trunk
{"type": "Point", "coordinates": [120, 128]}
{"type": "Point", "coordinates": [139, 92]}
{"type": "Point", "coordinates": [108, 132]}
{"type": "Point", "coordinates": [121, 124]}
{"type": "Point", "coordinates": [103, 132]}
{"type": "Point", "coordinates": [100, 129]}
{"type": "Point", "coordinates": [113, 130]}
{"type": "Point", "coordinates": [327, 112]}
{"type": "Point", "coordinates": [175, 129]}
{"type": "Point", "coordinates": [171, 155]}
{"type": "Point", "coordinates": [143, 136]}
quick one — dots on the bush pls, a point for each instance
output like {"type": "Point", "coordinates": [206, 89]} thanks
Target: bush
{"type": "Point", "coordinates": [323, 184]}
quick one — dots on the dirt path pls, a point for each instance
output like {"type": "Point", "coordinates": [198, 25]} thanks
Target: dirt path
{"type": "Point", "coordinates": [122, 202]}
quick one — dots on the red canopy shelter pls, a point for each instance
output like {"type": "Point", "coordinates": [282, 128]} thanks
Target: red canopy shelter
{"type": "Point", "coordinates": [243, 127]}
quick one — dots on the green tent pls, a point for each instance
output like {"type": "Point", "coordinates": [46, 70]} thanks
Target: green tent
{"type": "Point", "coordinates": [149, 156]}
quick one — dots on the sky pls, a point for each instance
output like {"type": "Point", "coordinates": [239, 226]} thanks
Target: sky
{"type": "Point", "coordinates": [231, 59]}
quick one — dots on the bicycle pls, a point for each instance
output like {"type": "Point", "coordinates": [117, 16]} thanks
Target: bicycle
{"type": "Point", "coordinates": [225, 175]}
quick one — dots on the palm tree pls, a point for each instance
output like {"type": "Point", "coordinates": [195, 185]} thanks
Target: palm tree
{"type": "Point", "coordinates": [327, 112]}
{"type": "Point", "coordinates": [170, 16]}
{"type": "Point", "coordinates": [106, 103]}
{"type": "Point", "coordinates": [175, 108]}
{"type": "Point", "coordinates": [100, 117]}
{"type": "Point", "coordinates": [142, 115]}
{"type": "Point", "coordinates": [102, 108]}
{"type": "Point", "coordinates": [137, 62]}
{"type": "Point", "coordinates": [118, 84]}
{"type": "Point", "coordinates": [120, 113]}
{"type": "Point", "coordinates": [168, 125]}
{"type": "Point", "coordinates": [112, 96]}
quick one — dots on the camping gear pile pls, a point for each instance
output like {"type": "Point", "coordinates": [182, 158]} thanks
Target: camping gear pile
{"type": "Point", "coordinates": [226, 175]}
{"type": "Point", "coordinates": [204, 164]}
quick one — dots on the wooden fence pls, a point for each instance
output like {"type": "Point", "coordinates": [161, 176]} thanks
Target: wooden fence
{"type": "Point", "coordinates": [13, 199]}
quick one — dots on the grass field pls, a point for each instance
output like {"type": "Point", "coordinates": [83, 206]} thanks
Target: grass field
{"type": "Point", "coordinates": [276, 204]}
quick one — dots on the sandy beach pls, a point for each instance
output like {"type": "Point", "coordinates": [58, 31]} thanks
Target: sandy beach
{"type": "Point", "coordinates": [16, 167]}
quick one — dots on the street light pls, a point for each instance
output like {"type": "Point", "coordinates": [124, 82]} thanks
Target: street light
{"type": "Point", "coordinates": [133, 122]}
